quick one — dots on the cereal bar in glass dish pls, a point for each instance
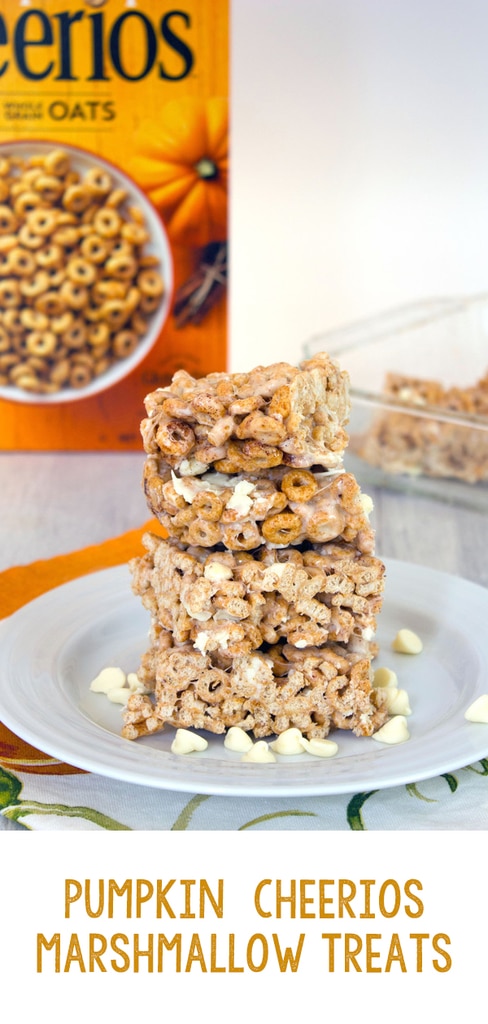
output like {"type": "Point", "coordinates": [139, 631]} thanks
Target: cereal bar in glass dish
{"type": "Point", "coordinates": [423, 440]}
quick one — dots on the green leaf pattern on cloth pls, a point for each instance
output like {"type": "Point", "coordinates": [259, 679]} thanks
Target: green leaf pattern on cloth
{"type": "Point", "coordinates": [276, 814]}
{"type": "Point", "coordinates": [354, 809]}
{"type": "Point", "coordinates": [14, 809]}
{"type": "Point", "coordinates": [484, 767]}
{"type": "Point", "coordinates": [413, 806]}
{"type": "Point", "coordinates": [183, 819]}
{"type": "Point", "coordinates": [10, 787]}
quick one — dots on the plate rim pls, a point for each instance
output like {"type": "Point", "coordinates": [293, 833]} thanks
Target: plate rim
{"type": "Point", "coordinates": [269, 780]}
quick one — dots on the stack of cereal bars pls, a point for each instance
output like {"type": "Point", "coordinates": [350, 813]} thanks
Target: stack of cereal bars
{"type": "Point", "coordinates": [264, 597]}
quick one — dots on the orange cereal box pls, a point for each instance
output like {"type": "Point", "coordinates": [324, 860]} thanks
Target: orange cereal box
{"type": "Point", "coordinates": [114, 162]}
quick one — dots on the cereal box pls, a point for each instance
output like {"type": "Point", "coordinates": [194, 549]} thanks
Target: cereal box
{"type": "Point", "coordinates": [113, 212]}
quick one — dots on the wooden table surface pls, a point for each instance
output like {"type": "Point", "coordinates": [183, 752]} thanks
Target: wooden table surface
{"type": "Point", "coordinates": [52, 503]}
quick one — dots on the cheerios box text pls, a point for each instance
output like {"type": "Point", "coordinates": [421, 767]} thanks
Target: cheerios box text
{"type": "Point", "coordinates": [113, 212]}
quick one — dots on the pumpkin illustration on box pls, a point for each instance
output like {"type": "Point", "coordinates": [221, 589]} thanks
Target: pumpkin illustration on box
{"type": "Point", "coordinates": [182, 164]}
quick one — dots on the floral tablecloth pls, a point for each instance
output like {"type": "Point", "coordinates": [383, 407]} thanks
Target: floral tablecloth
{"type": "Point", "coordinates": [40, 792]}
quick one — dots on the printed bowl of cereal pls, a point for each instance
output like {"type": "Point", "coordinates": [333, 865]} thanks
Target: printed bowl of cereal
{"type": "Point", "coordinates": [86, 273]}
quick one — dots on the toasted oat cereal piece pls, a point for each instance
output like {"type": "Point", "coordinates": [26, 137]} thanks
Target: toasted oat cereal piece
{"type": "Point", "coordinates": [331, 593]}
{"type": "Point", "coordinates": [415, 442]}
{"type": "Point", "coordinates": [250, 422]}
{"type": "Point", "coordinates": [140, 718]}
{"type": "Point", "coordinates": [265, 692]}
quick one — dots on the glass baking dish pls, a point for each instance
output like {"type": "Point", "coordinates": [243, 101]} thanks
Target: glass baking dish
{"type": "Point", "coordinates": [430, 437]}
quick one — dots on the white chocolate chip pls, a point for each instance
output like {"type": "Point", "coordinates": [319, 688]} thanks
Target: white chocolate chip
{"type": "Point", "coordinates": [119, 695]}
{"type": "Point", "coordinates": [478, 710]}
{"type": "Point", "coordinates": [300, 644]}
{"type": "Point", "coordinates": [237, 739]}
{"type": "Point", "coordinates": [198, 616]}
{"type": "Point", "coordinates": [368, 633]}
{"type": "Point", "coordinates": [288, 742]}
{"type": "Point", "coordinates": [320, 748]}
{"type": "Point", "coordinates": [185, 487]}
{"type": "Point", "coordinates": [393, 731]}
{"type": "Point", "coordinates": [134, 683]}
{"type": "Point", "coordinates": [216, 571]}
{"type": "Point", "coordinates": [367, 503]}
{"type": "Point", "coordinates": [192, 467]}
{"type": "Point", "coordinates": [384, 677]}
{"type": "Point", "coordinates": [201, 641]}
{"type": "Point", "coordinates": [397, 702]}
{"type": "Point", "coordinates": [259, 753]}
{"type": "Point", "coordinates": [222, 616]}
{"type": "Point", "coordinates": [408, 395]}
{"type": "Point", "coordinates": [240, 500]}
{"type": "Point", "coordinates": [108, 679]}
{"type": "Point", "coordinates": [405, 394]}
{"type": "Point", "coordinates": [185, 742]}
{"type": "Point", "coordinates": [189, 486]}
{"type": "Point", "coordinates": [407, 642]}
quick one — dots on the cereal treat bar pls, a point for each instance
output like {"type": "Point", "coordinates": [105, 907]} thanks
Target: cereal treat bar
{"type": "Point", "coordinates": [415, 442]}
{"type": "Point", "coordinates": [250, 422]}
{"type": "Point", "coordinates": [285, 507]}
{"type": "Point", "coordinates": [265, 692]}
{"type": "Point", "coordinates": [234, 603]}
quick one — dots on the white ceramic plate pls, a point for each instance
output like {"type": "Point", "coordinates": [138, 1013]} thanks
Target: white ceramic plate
{"type": "Point", "coordinates": [53, 647]}
{"type": "Point", "coordinates": [82, 160]}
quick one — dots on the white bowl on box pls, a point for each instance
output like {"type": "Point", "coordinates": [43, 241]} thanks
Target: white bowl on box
{"type": "Point", "coordinates": [158, 245]}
